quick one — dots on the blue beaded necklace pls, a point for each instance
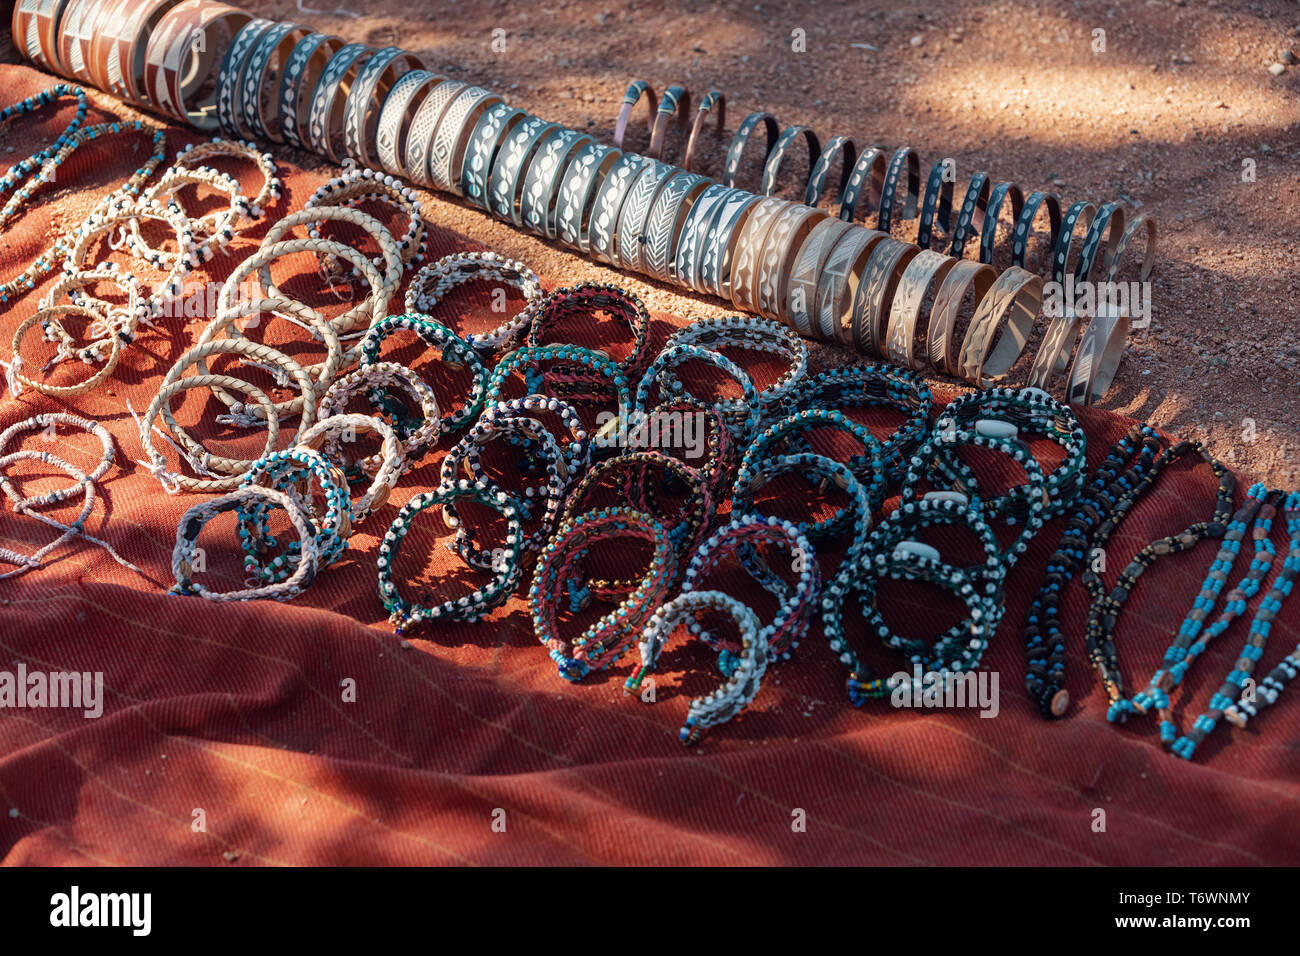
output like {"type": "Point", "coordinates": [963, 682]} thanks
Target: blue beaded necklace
{"type": "Point", "coordinates": [55, 152]}
{"type": "Point", "coordinates": [1226, 697]}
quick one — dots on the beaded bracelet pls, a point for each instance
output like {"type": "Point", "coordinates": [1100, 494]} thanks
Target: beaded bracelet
{"type": "Point", "coordinates": [1189, 643]}
{"type": "Point", "coordinates": [1123, 470]}
{"type": "Point", "coordinates": [797, 604]}
{"type": "Point", "coordinates": [1105, 605]}
{"type": "Point", "coordinates": [868, 467]}
{"type": "Point", "coordinates": [176, 265]}
{"type": "Point", "coordinates": [576, 447]}
{"type": "Point", "coordinates": [227, 325]}
{"type": "Point", "coordinates": [218, 148]}
{"type": "Point", "coordinates": [750, 334]}
{"type": "Point", "coordinates": [202, 460]}
{"type": "Point", "coordinates": [937, 463]}
{"type": "Point", "coordinates": [1270, 688]}
{"type": "Point", "coordinates": [742, 415]}
{"type": "Point", "coordinates": [554, 478]}
{"type": "Point", "coordinates": [454, 352]}
{"type": "Point", "coordinates": [685, 528]}
{"type": "Point", "coordinates": [362, 184]}
{"type": "Point", "coordinates": [474, 606]}
{"type": "Point", "coordinates": [747, 669]}
{"type": "Point", "coordinates": [223, 225]}
{"type": "Point", "coordinates": [665, 427]}
{"type": "Point", "coordinates": [193, 522]}
{"type": "Point", "coordinates": [434, 281]}
{"type": "Point", "coordinates": [589, 299]}
{"type": "Point", "coordinates": [528, 361]}
{"type": "Point", "coordinates": [293, 472]}
{"type": "Point", "coordinates": [875, 386]}
{"type": "Point", "coordinates": [119, 320]}
{"type": "Point", "coordinates": [375, 381]}
{"type": "Point", "coordinates": [855, 516]}
{"type": "Point", "coordinates": [326, 436]}
{"type": "Point", "coordinates": [1222, 702]}
{"type": "Point", "coordinates": [51, 421]}
{"type": "Point", "coordinates": [894, 540]}
{"type": "Point", "coordinates": [29, 562]}
{"type": "Point", "coordinates": [1028, 410]}
{"type": "Point", "coordinates": [601, 644]}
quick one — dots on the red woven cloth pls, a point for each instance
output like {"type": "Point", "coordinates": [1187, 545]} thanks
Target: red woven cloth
{"type": "Point", "coordinates": [238, 711]}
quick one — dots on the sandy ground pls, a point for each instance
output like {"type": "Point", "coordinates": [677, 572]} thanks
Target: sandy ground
{"type": "Point", "coordinates": [1172, 105]}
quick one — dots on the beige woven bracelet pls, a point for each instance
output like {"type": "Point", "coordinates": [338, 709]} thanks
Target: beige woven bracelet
{"type": "Point", "coordinates": [262, 355]}
{"type": "Point", "coordinates": [17, 380]}
{"type": "Point", "coordinates": [204, 461]}
{"type": "Point", "coordinates": [326, 435]}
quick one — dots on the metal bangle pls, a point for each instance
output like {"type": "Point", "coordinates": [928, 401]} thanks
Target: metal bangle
{"type": "Point", "coordinates": [848, 152]}
{"type": "Point", "coordinates": [481, 151]}
{"type": "Point", "coordinates": [306, 62]}
{"type": "Point", "coordinates": [970, 218]}
{"type": "Point", "coordinates": [1098, 358]}
{"type": "Point", "coordinates": [583, 176]}
{"type": "Point", "coordinates": [928, 269]}
{"type": "Point", "coordinates": [711, 99]}
{"type": "Point", "coordinates": [879, 279]}
{"type": "Point", "coordinates": [396, 114]}
{"type": "Point", "coordinates": [180, 39]}
{"type": "Point", "coordinates": [538, 206]}
{"type": "Point", "coordinates": [361, 112]}
{"type": "Point", "coordinates": [279, 39]}
{"type": "Point", "coordinates": [507, 176]}
{"type": "Point", "coordinates": [664, 223]}
{"type": "Point", "coordinates": [837, 286]}
{"type": "Point", "coordinates": [901, 156]}
{"type": "Point", "coordinates": [749, 251]}
{"type": "Point", "coordinates": [741, 138]}
{"type": "Point", "coordinates": [632, 218]}
{"type": "Point", "coordinates": [603, 224]}
{"type": "Point", "coordinates": [419, 140]}
{"type": "Point", "coordinates": [1025, 224]}
{"type": "Point", "coordinates": [630, 99]}
{"type": "Point", "coordinates": [993, 214]}
{"type": "Point", "coordinates": [965, 276]}
{"type": "Point", "coordinates": [685, 267]}
{"type": "Point", "coordinates": [938, 200]}
{"type": "Point", "coordinates": [801, 300]}
{"type": "Point", "coordinates": [451, 137]}
{"type": "Point", "coordinates": [676, 101]}
{"type": "Point", "coordinates": [869, 171]}
{"type": "Point", "coordinates": [1011, 305]}
{"type": "Point", "coordinates": [232, 68]}
{"type": "Point", "coordinates": [772, 166]}
{"type": "Point", "coordinates": [721, 240]}
{"type": "Point", "coordinates": [1081, 211]}
{"type": "Point", "coordinates": [780, 248]}
{"type": "Point", "coordinates": [1110, 214]}
{"type": "Point", "coordinates": [326, 104]}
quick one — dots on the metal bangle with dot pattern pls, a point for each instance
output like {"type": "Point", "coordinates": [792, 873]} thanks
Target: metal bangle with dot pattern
{"type": "Point", "coordinates": [937, 201]}
{"type": "Point", "coordinates": [904, 156]}
{"type": "Point", "coordinates": [741, 138]}
{"type": "Point", "coordinates": [776, 155]}
{"type": "Point", "coordinates": [869, 172]}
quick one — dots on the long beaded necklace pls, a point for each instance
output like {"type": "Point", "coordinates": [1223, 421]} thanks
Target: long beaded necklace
{"type": "Point", "coordinates": [1233, 686]}
{"type": "Point", "coordinates": [114, 201]}
{"type": "Point", "coordinates": [1106, 607]}
{"type": "Point", "coordinates": [1191, 640]}
{"type": "Point", "coordinates": [1116, 478]}
{"type": "Point", "coordinates": [40, 158]}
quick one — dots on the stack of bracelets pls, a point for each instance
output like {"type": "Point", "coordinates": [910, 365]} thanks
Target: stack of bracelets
{"type": "Point", "coordinates": [629, 452]}
{"type": "Point", "coordinates": [828, 277]}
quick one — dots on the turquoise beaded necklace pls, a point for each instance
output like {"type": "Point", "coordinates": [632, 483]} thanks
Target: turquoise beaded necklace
{"type": "Point", "coordinates": [47, 159]}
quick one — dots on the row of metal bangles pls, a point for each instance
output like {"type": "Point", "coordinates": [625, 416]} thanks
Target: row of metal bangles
{"type": "Point", "coordinates": [826, 276]}
{"type": "Point", "coordinates": [589, 477]}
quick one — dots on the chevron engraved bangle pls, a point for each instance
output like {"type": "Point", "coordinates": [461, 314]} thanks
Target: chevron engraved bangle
{"type": "Point", "coordinates": [925, 272]}
{"type": "Point", "coordinates": [801, 300]}
{"type": "Point", "coordinates": [837, 285]}
{"type": "Point", "coordinates": [663, 227]}
{"type": "Point", "coordinates": [631, 239]}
